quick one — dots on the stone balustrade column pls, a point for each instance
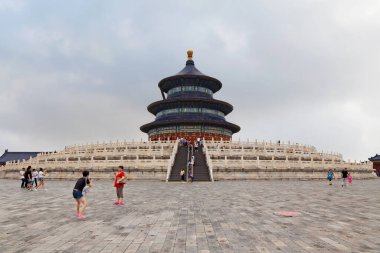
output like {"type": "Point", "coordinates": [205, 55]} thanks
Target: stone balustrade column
{"type": "Point", "coordinates": [92, 161]}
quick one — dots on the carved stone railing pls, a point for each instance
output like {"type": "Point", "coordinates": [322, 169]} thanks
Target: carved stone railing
{"type": "Point", "coordinates": [208, 161]}
{"type": "Point", "coordinates": [172, 160]}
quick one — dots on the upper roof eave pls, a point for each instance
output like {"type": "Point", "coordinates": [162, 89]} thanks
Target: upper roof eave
{"type": "Point", "coordinates": [215, 85]}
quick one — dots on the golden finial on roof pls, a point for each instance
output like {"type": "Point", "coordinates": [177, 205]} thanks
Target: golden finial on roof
{"type": "Point", "coordinates": [190, 55]}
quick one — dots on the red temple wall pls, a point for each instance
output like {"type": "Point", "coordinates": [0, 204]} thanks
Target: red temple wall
{"type": "Point", "coordinates": [376, 166]}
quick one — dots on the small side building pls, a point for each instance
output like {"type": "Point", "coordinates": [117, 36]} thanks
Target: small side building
{"type": "Point", "coordinates": [376, 164]}
{"type": "Point", "coordinates": [16, 156]}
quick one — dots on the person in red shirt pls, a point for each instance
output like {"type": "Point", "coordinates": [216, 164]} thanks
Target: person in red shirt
{"type": "Point", "coordinates": [119, 185]}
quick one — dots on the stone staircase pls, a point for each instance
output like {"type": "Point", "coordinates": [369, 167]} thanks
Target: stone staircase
{"type": "Point", "coordinates": [179, 164]}
{"type": "Point", "coordinates": [200, 173]}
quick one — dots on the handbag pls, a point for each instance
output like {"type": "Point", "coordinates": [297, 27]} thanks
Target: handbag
{"type": "Point", "coordinates": [122, 180]}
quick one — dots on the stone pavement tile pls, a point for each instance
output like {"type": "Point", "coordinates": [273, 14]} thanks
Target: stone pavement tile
{"type": "Point", "coordinates": [218, 217]}
{"type": "Point", "coordinates": [133, 247]}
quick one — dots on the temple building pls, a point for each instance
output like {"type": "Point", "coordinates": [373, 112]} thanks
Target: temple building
{"type": "Point", "coordinates": [188, 109]}
{"type": "Point", "coordinates": [376, 164]}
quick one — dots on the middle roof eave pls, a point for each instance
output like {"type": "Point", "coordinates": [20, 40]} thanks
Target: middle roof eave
{"type": "Point", "coordinates": [157, 106]}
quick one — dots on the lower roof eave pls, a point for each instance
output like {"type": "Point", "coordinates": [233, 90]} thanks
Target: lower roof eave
{"type": "Point", "coordinates": [230, 126]}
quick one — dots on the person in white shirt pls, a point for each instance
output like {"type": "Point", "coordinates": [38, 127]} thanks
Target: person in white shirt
{"type": "Point", "coordinates": [41, 177]}
{"type": "Point", "coordinates": [35, 176]}
{"type": "Point", "coordinates": [22, 172]}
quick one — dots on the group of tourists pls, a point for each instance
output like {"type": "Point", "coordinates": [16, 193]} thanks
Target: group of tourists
{"type": "Point", "coordinates": [346, 177]}
{"type": "Point", "coordinates": [84, 183]}
{"type": "Point", "coordinates": [190, 175]}
{"type": "Point", "coordinates": [187, 175]}
{"type": "Point", "coordinates": [197, 144]}
{"type": "Point", "coordinates": [32, 179]}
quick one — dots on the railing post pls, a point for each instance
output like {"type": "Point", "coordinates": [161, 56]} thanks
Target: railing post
{"type": "Point", "coordinates": [171, 160]}
{"type": "Point", "coordinates": [209, 162]}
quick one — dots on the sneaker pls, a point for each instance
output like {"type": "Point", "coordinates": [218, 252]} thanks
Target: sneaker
{"type": "Point", "coordinates": [121, 203]}
{"type": "Point", "coordinates": [81, 216]}
{"type": "Point", "coordinates": [116, 203]}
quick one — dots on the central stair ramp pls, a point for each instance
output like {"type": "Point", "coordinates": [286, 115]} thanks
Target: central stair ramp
{"type": "Point", "coordinates": [199, 166]}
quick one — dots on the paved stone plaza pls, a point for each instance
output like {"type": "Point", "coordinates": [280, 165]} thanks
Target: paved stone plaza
{"type": "Point", "coordinates": [235, 216]}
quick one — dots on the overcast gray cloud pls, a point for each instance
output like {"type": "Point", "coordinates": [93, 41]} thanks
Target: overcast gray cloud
{"type": "Point", "coordinates": [81, 71]}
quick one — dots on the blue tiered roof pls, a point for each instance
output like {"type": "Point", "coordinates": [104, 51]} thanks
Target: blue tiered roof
{"type": "Point", "coordinates": [190, 102]}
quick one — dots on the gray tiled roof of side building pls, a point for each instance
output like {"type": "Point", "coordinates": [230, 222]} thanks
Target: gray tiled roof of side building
{"type": "Point", "coordinates": [374, 158]}
{"type": "Point", "coordinates": [14, 156]}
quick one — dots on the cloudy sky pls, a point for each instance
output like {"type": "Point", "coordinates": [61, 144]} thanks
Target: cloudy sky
{"type": "Point", "coordinates": [73, 72]}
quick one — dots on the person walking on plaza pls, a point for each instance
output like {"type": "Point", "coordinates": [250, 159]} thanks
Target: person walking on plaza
{"type": "Point", "coordinates": [34, 177]}
{"type": "Point", "coordinates": [120, 180]}
{"type": "Point", "coordinates": [41, 179]}
{"type": "Point", "coordinates": [22, 177]}
{"type": "Point", "coordinates": [349, 178]}
{"type": "Point", "coordinates": [344, 177]}
{"type": "Point", "coordinates": [182, 174]}
{"type": "Point", "coordinates": [78, 194]}
{"type": "Point", "coordinates": [330, 176]}
{"type": "Point", "coordinates": [28, 178]}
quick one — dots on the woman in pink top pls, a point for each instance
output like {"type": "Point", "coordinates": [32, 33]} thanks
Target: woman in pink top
{"type": "Point", "coordinates": [349, 178]}
{"type": "Point", "coordinates": [119, 185]}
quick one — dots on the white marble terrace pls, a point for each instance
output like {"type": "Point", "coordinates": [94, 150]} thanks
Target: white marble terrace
{"type": "Point", "coordinates": [146, 157]}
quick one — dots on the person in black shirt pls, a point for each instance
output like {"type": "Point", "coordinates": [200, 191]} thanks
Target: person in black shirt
{"type": "Point", "coordinates": [344, 177]}
{"type": "Point", "coordinates": [28, 178]}
{"type": "Point", "coordinates": [78, 193]}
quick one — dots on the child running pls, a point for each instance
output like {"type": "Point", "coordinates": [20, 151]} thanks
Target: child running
{"type": "Point", "coordinates": [41, 179]}
{"type": "Point", "coordinates": [349, 178]}
{"type": "Point", "coordinates": [330, 176]}
{"type": "Point", "coordinates": [78, 195]}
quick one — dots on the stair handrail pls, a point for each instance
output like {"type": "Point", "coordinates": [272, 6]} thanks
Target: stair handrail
{"type": "Point", "coordinates": [208, 161]}
{"type": "Point", "coordinates": [187, 162]}
{"type": "Point", "coordinates": [190, 153]}
{"type": "Point", "coordinates": [171, 160]}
